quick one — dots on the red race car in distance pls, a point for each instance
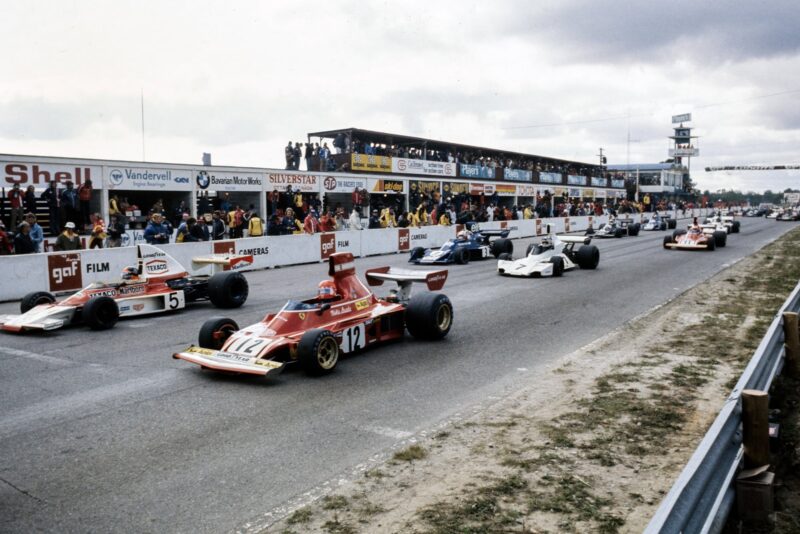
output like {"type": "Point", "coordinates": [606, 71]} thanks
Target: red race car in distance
{"type": "Point", "coordinates": [691, 239]}
{"type": "Point", "coordinates": [345, 317]}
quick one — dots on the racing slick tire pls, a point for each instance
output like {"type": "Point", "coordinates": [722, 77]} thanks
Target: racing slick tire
{"type": "Point", "coordinates": [672, 224]}
{"type": "Point", "coordinates": [558, 265]}
{"type": "Point", "coordinates": [735, 227]}
{"type": "Point", "coordinates": [31, 300]}
{"type": "Point", "coordinates": [429, 316]}
{"type": "Point", "coordinates": [461, 256]}
{"type": "Point", "coordinates": [100, 313]}
{"type": "Point", "coordinates": [505, 256]}
{"type": "Point", "coordinates": [215, 331]}
{"type": "Point", "coordinates": [619, 232]}
{"type": "Point", "coordinates": [318, 352]}
{"type": "Point", "coordinates": [416, 253]}
{"type": "Point", "coordinates": [711, 244]}
{"type": "Point", "coordinates": [663, 227]}
{"type": "Point", "coordinates": [502, 245]}
{"type": "Point", "coordinates": [587, 257]}
{"type": "Point", "coordinates": [633, 229]}
{"type": "Point", "coordinates": [228, 289]}
{"type": "Point", "coordinates": [667, 241]}
{"type": "Point", "coordinates": [677, 233]}
{"type": "Point", "coordinates": [720, 238]}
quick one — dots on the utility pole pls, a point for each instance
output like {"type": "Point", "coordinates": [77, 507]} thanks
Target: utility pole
{"type": "Point", "coordinates": [143, 156]}
{"type": "Point", "coordinates": [602, 157]}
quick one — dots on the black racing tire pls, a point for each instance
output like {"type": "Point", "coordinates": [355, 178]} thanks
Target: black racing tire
{"type": "Point", "coordinates": [677, 233]}
{"type": "Point", "coordinates": [735, 228]}
{"type": "Point", "coordinates": [558, 265]}
{"type": "Point", "coordinates": [619, 232]}
{"type": "Point", "coordinates": [502, 245]}
{"type": "Point", "coordinates": [228, 289]}
{"type": "Point", "coordinates": [663, 227]}
{"type": "Point", "coordinates": [429, 315]}
{"type": "Point", "coordinates": [672, 224]}
{"type": "Point", "coordinates": [100, 313]}
{"type": "Point", "coordinates": [667, 241]}
{"type": "Point", "coordinates": [712, 244]}
{"type": "Point", "coordinates": [720, 238]}
{"type": "Point", "coordinates": [416, 253]}
{"type": "Point", "coordinates": [505, 256]}
{"type": "Point", "coordinates": [318, 352]}
{"type": "Point", "coordinates": [587, 257]}
{"type": "Point", "coordinates": [215, 332]}
{"type": "Point", "coordinates": [461, 255]}
{"type": "Point", "coordinates": [31, 300]}
{"type": "Point", "coordinates": [633, 229]}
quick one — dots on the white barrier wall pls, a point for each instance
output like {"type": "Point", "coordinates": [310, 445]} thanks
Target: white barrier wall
{"type": "Point", "coordinates": [60, 272]}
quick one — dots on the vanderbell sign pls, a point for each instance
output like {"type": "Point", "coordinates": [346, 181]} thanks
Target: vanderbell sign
{"type": "Point", "coordinates": [148, 179]}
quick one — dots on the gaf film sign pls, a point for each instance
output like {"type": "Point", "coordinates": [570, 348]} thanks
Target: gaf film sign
{"type": "Point", "coordinates": [146, 179]}
{"type": "Point", "coordinates": [64, 272]}
{"type": "Point", "coordinates": [299, 182]}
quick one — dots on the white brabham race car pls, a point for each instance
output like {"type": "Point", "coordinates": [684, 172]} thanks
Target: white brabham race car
{"type": "Point", "coordinates": [551, 257]}
{"type": "Point", "coordinates": [157, 284]}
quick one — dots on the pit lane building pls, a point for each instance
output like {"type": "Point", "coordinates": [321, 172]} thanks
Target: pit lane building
{"type": "Point", "coordinates": [431, 166]}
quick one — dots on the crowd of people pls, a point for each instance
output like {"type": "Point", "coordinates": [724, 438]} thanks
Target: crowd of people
{"type": "Point", "coordinates": [319, 157]}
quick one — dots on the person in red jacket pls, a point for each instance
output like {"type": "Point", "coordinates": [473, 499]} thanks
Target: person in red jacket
{"type": "Point", "coordinates": [311, 224]}
{"type": "Point", "coordinates": [85, 201]}
{"type": "Point", "coordinates": [327, 223]}
{"type": "Point", "coordinates": [15, 197]}
{"type": "Point", "coordinates": [5, 243]}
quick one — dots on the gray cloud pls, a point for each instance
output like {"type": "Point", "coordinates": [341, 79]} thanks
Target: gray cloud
{"type": "Point", "coordinates": [624, 31]}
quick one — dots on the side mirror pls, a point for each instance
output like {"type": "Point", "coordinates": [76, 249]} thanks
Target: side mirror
{"type": "Point", "coordinates": [325, 307]}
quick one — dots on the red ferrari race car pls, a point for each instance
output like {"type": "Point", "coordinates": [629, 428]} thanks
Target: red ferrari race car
{"type": "Point", "coordinates": [691, 239]}
{"type": "Point", "coordinates": [157, 284]}
{"type": "Point", "coordinates": [345, 317]}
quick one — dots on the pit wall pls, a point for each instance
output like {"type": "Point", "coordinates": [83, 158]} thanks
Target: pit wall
{"type": "Point", "coordinates": [60, 272]}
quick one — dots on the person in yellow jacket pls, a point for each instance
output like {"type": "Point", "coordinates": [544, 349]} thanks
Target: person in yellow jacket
{"type": "Point", "coordinates": [419, 218]}
{"type": "Point", "coordinates": [528, 213]}
{"type": "Point", "coordinates": [388, 219]}
{"type": "Point", "coordinates": [444, 219]}
{"type": "Point", "coordinates": [256, 226]}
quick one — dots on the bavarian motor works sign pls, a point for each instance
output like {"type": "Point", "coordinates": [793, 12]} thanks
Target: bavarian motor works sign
{"type": "Point", "coordinates": [230, 181]}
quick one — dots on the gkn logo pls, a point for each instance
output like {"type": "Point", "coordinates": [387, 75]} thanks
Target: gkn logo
{"type": "Point", "coordinates": [327, 245]}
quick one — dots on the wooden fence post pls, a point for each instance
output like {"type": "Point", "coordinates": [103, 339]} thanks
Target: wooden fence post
{"type": "Point", "coordinates": [755, 427]}
{"type": "Point", "coordinates": [791, 337]}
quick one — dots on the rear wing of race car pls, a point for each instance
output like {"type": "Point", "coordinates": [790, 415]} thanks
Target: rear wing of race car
{"type": "Point", "coordinates": [222, 262]}
{"type": "Point", "coordinates": [582, 239]}
{"type": "Point", "coordinates": [405, 277]}
{"type": "Point", "coordinates": [494, 233]}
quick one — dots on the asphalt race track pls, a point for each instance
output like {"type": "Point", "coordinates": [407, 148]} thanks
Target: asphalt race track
{"type": "Point", "coordinates": [105, 432]}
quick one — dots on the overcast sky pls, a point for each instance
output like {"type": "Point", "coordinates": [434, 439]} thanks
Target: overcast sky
{"type": "Point", "coordinates": [241, 78]}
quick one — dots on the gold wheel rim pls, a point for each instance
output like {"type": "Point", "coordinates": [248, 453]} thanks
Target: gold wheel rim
{"type": "Point", "coordinates": [327, 353]}
{"type": "Point", "coordinates": [443, 317]}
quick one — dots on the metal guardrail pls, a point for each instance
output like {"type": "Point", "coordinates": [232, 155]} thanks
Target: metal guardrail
{"type": "Point", "coordinates": [703, 495]}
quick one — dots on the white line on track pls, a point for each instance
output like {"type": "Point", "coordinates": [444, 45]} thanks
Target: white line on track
{"type": "Point", "coordinates": [62, 408]}
{"type": "Point", "coordinates": [35, 356]}
{"type": "Point", "coordinates": [388, 432]}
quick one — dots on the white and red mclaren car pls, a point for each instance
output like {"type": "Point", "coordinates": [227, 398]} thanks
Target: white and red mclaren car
{"type": "Point", "coordinates": [158, 283]}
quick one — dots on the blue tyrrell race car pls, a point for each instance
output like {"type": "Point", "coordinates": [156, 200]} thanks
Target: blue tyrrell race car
{"type": "Point", "coordinates": [469, 245]}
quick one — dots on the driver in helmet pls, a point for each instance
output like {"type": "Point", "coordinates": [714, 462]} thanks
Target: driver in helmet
{"type": "Point", "coordinates": [546, 243]}
{"type": "Point", "coordinates": [463, 235]}
{"type": "Point", "coordinates": [130, 274]}
{"type": "Point", "coordinates": [326, 291]}
{"type": "Point", "coordinates": [695, 227]}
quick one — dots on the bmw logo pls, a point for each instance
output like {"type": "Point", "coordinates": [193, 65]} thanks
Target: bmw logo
{"type": "Point", "coordinates": [202, 180]}
{"type": "Point", "coordinates": [116, 176]}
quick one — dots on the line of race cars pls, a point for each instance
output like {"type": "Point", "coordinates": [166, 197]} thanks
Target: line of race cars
{"type": "Point", "coordinates": [346, 316]}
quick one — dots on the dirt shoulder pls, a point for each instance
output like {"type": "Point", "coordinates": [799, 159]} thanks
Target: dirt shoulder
{"type": "Point", "coordinates": [591, 445]}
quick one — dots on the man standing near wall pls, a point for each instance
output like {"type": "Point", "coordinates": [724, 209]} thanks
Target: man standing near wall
{"type": "Point", "coordinates": [53, 198]}
{"type": "Point", "coordinates": [15, 197]}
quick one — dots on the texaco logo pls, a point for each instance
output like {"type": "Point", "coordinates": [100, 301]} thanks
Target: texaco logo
{"type": "Point", "coordinates": [329, 182]}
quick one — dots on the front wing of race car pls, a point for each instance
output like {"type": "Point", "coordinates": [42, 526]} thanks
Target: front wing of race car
{"type": "Point", "coordinates": [528, 266]}
{"type": "Point", "coordinates": [43, 317]}
{"type": "Point", "coordinates": [686, 244]}
{"type": "Point", "coordinates": [436, 256]}
{"type": "Point", "coordinates": [219, 360]}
